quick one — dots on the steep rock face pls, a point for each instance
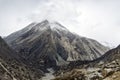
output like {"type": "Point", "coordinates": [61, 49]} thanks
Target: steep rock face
{"type": "Point", "coordinates": [13, 69]}
{"type": "Point", "coordinates": [5, 51]}
{"type": "Point", "coordinates": [52, 44]}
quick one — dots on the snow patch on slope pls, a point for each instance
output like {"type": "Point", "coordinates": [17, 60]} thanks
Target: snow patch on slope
{"type": "Point", "coordinates": [57, 26]}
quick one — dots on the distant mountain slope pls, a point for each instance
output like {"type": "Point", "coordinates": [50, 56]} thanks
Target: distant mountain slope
{"type": "Point", "coordinates": [11, 68]}
{"type": "Point", "coordinates": [50, 44]}
{"type": "Point", "coordinates": [111, 55]}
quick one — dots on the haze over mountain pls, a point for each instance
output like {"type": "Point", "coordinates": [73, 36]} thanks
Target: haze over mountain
{"type": "Point", "coordinates": [51, 44]}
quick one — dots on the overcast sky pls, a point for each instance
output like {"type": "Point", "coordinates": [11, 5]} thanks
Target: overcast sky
{"type": "Point", "coordinates": [97, 19]}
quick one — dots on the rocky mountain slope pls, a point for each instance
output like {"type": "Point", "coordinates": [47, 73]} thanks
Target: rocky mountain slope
{"type": "Point", "coordinates": [107, 67]}
{"type": "Point", "coordinates": [48, 44]}
{"type": "Point", "coordinates": [111, 55]}
{"type": "Point", "coordinates": [13, 69]}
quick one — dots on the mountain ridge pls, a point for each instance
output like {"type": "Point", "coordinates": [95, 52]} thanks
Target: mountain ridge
{"type": "Point", "coordinates": [53, 43]}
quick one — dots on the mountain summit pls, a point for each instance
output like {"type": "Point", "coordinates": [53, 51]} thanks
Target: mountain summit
{"type": "Point", "coordinates": [51, 44]}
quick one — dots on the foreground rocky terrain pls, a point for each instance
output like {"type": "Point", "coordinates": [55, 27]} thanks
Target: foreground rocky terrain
{"type": "Point", "coordinates": [106, 67]}
{"type": "Point", "coordinates": [110, 71]}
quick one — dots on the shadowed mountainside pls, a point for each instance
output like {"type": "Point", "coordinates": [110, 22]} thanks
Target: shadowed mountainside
{"type": "Point", "coordinates": [13, 69]}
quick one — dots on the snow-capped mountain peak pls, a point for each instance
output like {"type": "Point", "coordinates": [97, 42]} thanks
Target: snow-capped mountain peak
{"type": "Point", "coordinates": [55, 26]}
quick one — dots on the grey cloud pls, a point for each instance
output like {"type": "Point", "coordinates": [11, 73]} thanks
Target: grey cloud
{"type": "Point", "coordinates": [97, 19]}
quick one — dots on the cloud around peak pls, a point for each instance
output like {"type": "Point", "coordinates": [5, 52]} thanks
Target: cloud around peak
{"type": "Point", "coordinates": [95, 19]}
